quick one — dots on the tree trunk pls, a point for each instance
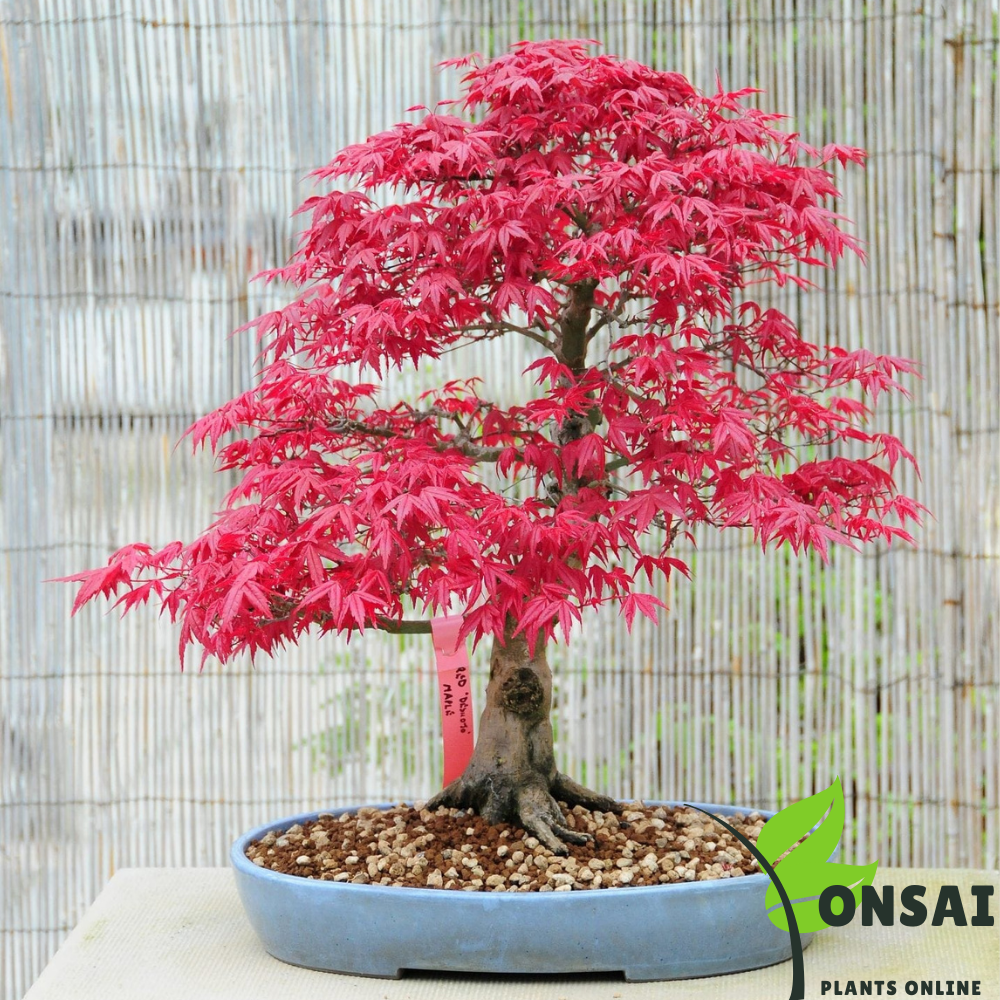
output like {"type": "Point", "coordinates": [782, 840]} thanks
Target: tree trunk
{"type": "Point", "coordinates": [511, 776]}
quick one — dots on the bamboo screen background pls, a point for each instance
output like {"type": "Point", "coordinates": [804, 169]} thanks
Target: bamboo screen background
{"type": "Point", "coordinates": [150, 156]}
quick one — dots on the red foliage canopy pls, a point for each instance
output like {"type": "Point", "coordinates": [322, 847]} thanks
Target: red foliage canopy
{"type": "Point", "coordinates": [589, 193]}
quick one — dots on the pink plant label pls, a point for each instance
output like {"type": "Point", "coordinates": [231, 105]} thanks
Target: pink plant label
{"type": "Point", "coordinates": [456, 694]}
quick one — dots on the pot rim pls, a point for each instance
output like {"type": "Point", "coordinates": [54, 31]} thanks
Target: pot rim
{"type": "Point", "coordinates": [242, 864]}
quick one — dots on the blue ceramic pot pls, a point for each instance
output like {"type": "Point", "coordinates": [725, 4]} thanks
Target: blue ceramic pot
{"type": "Point", "coordinates": [672, 931]}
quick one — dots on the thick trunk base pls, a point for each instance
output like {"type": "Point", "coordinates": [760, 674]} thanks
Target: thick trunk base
{"type": "Point", "coordinates": [512, 776]}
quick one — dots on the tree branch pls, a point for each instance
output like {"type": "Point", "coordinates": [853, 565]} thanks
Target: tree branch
{"type": "Point", "coordinates": [404, 627]}
{"type": "Point", "coordinates": [608, 316]}
{"type": "Point", "coordinates": [502, 326]}
{"type": "Point", "coordinates": [526, 331]}
{"type": "Point", "coordinates": [282, 611]}
{"type": "Point", "coordinates": [460, 442]}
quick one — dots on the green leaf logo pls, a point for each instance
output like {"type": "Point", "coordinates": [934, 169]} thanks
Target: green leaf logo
{"type": "Point", "coordinates": [807, 870]}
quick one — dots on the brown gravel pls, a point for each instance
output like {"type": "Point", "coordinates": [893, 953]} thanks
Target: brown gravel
{"type": "Point", "coordinates": [455, 849]}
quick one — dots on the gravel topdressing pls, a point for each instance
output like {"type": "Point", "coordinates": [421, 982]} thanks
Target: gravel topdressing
{"type": "Point", "coordinates": [409, 846]}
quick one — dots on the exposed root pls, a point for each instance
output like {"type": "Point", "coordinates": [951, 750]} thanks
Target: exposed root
{"type": "Point", "coordinates": [574, 794]}
{"type": "Point", "coordinates": [531, 805]}
{"type": "Point", "coordinates": [452, 796]}
{"type": "Point", "coordinates": [540, 815]}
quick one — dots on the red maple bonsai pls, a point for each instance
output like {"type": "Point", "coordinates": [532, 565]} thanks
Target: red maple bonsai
{"type": "Point", "coordinates": [616, 219]}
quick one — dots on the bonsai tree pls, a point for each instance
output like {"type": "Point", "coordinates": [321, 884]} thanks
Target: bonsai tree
{"type": "Point", "coordinates": [617, 220]}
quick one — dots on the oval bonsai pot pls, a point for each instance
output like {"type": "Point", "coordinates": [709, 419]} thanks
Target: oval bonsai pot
{"type": "Point", "coordinates": [675, 931]}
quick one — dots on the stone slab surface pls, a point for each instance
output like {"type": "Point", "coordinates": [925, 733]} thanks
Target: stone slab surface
{"type": "Point", "coordinates": [180, 934]}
